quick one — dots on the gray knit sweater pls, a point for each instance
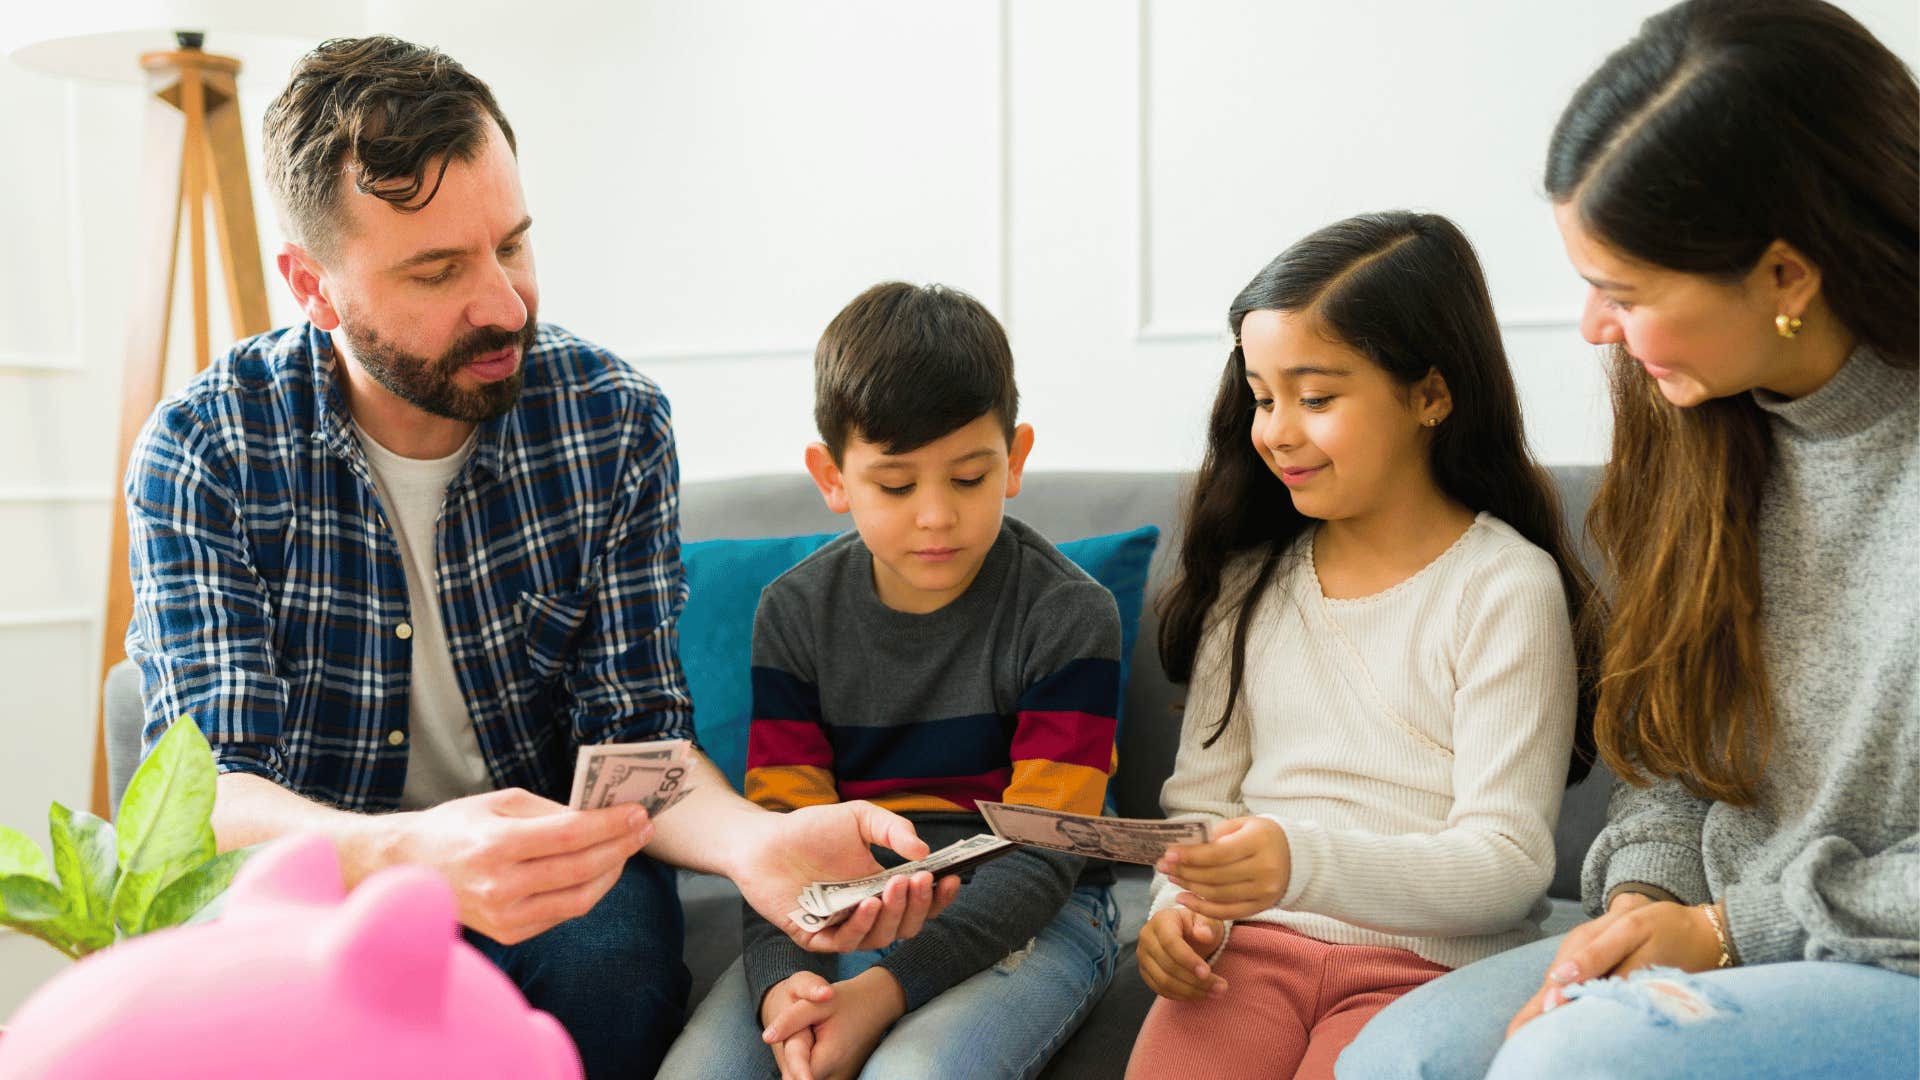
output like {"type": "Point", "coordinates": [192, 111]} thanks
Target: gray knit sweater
{"type": "Point", "coordinates": [1826, 865]}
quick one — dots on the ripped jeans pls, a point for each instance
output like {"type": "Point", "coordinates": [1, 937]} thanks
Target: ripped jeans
{"type": "Point", "coordinates": [1006, 1021]}
{"type": "Point", "coordinates": [1770, 1020]}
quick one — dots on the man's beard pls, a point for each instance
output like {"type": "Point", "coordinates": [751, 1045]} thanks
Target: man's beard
{"type": "Point", "coordinates": [429, 384]}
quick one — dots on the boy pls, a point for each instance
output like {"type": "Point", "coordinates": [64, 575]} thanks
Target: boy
{"type": "Point", "coordinates": [939, 654]}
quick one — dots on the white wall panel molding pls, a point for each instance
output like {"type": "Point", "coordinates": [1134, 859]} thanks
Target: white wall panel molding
{"type": "Point", "coordinates": [54, 495]}
{"type": "Point", "coordinates": [1003, 164]}
{"type": "Point", "coordinates": [31, 363]}
{"type": "Point", "coordinates": [1142, 292]}
{"type": "Point", "coordinates": [30, 619]}
{"type": "Point", "coordinates": [653, 356]}
{"type": "Point", "coordinates": [1174, 334]}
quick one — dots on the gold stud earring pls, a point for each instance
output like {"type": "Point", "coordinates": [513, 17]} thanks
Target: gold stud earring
{"type": "Point", "coordinates": [1786, 325]}
{"type": "Point", "coordinates": [1432, 421]}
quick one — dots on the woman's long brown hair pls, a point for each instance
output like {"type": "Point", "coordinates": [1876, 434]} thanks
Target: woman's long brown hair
{"type": "Point", "coordinates": [1724, 126]}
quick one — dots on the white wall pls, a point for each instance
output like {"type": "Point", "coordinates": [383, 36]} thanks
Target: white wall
{"type": "Point", "coordinates": [711, 181]}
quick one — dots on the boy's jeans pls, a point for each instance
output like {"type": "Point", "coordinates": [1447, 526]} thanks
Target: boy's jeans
{"type": "Point", "coordinates": [1770, 1020]}
{"type": "Point", "coordinates": [1005, 1021]}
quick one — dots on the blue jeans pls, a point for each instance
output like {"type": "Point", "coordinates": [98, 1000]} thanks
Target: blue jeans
{"type": "Point", "coordinates": [1005, 1021]}
{"type": "Point", "coordinates": [1770, 1020]}
{"type": "Point", "coordinates": [612, 977]}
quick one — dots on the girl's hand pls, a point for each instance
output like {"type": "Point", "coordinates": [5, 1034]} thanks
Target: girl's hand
{"type": "Point", "coordinates": [1243, 871]}
{"type": "Point", "coordinates": [1174, 945]}
{"type": "Point", "coordinates": [1630, 936]}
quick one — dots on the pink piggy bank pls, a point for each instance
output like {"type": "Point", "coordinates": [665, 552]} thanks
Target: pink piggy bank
{"type": "Point", "coordinates": [297, 979]}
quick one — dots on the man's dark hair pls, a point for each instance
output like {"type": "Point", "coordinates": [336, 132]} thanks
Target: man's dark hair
{"type": "Point", "coordinates": [903, 365]}
{"type": "Point", "coordinates": [388, 113]}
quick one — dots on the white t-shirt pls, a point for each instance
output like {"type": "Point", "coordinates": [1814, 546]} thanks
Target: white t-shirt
{"type": "Point", "coordinates": [443, 753]}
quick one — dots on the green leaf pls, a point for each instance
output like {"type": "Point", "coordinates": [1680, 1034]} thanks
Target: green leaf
{"type": "Point", "coordinates": [169, 801]}
{"type": "Point", "coordinates": [32, 905]}
{"type": "Point", "coordinates": [187, 894]}
{"type": "Point", "coordinates": [165, 826]}
{"type": "Point", "coordinates": [85, 856]}
{"type": "Point", "coordinates": [135, 891]}
{"type": "Point", "coordinates": [29, 899]}
{"type": "Point", "coordinates": [19, 855]}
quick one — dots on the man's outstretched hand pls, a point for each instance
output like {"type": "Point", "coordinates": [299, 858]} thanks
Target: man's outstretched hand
{"type": "Point", "coordinates": [830, 843]}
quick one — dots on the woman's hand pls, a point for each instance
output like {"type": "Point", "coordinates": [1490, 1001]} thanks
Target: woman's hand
{"type": "Point", "coordinates": [1633, 934]}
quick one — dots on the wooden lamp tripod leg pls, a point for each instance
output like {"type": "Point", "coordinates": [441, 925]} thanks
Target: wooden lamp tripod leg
{"type": "Point", "coordinates": [194, 151]}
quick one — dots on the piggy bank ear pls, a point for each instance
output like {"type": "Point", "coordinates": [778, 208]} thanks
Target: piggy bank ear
{"type": "Point", "coordinates": [298, 870]}
{"type": "Point", "coordinates": [391, 945]}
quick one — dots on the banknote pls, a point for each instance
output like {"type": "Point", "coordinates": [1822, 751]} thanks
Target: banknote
{"type": "Point", "coordinates": [827, 897]}
{"type": "Point", "coordinates": [1134, 840]}
{"type": "Point", "coordinates": [825, 903]}
{"type": "Point", "coordinates": [653, 774]}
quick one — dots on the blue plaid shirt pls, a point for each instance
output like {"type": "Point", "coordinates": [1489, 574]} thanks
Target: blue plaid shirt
{"type": "Point", "coordinates": [270, 601]}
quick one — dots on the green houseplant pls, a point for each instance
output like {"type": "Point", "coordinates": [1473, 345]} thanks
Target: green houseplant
{"type": "Point", "coordinates": [156, 869]}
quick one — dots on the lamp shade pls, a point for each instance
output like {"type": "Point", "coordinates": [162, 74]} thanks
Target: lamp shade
{"type": "Point", "coordinates": [102, 40]}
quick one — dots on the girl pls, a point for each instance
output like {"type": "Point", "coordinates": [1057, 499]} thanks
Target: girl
{"type": "Point", "coordinates": [1738, 184]}
{"type": "Point", "coordinates": [1375, 613]}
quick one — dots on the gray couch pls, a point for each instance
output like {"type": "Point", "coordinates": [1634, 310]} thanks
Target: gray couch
{"type": "Point", "coordinates": [1062, 506]}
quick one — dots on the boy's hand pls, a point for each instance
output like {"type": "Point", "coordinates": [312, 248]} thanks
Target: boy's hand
{"type": "Point", "coordinates": [1174, 945]}
{"type": "Point", "coordinates": [869, 1003]}
{"type": "Point", "coordinates": [793, 1005]}
{"type": "Point", "coordinates": [1243, 871]}
{"type": "Point", "coordinates": [827, 1032]}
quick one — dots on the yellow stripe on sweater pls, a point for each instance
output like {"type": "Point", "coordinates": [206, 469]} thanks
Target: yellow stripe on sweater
{"type": "Point", "coordinates": [790, 787]}
{"type": "Point", "coordinates": [1056, 785]}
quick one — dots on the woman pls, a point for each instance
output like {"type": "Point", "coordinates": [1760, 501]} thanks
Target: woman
{"type": "Point", "coordinates": [1738, 185]}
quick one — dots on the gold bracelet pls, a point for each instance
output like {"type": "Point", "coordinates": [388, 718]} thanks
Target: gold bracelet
{"type": "Point", "coordinates": [1719, 933]}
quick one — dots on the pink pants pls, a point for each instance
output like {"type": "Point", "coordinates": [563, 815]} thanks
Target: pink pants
{"type": "Point", "coordinates": [1292, 1004]}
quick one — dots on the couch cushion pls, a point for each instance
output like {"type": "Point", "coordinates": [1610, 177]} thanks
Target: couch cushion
{"type": "Point", "coordinates": [724, 579]}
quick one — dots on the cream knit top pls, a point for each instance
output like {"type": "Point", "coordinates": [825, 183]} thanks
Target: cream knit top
{"type": "Point", "coordinates": [1412, 743]}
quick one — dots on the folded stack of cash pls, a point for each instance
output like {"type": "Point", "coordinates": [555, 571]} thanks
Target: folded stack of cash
{"type": "Point", "coordinates": [824, 903]}
{"type": "Point", "coordinates": [652, 774]}
{"type": "Point", "coordinates": [1138, 840]}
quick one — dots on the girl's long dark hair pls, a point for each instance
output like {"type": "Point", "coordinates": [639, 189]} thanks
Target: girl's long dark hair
{"type": "Point", "coordinates": [1724, 126]}
{"type": "Point", "coordinates": [1406, 291]}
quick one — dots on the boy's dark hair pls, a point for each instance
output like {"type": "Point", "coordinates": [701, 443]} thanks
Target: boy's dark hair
{"type": "Point", "coordinates": [395, 114]}
{"type": "Point", "coordinates": [903, 365]}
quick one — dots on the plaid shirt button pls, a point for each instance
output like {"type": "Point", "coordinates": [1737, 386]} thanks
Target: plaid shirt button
{"type": "Point", "coordinates": [403, 632]}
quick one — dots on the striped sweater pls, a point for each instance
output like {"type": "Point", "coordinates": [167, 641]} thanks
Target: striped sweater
{"type": "Point", "coordinates": [1008, 693]}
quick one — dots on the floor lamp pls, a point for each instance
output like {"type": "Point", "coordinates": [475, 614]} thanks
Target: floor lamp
{"type": "Point", "coordinates": [194, 161]}
{"type": "Point", "coordinates": [193, 166]}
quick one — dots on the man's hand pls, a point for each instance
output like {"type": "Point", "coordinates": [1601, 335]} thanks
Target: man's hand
{"type": "Point", "coordinates": [827, 1032]}
{"type": "Point", "coordinates": [519, 863]}
{"type": "Point", "coordinates": [1242, 871]}
{"type": "Point", "coordinates": [830, 843]}
{"type": "Point", "coordinates": [1173, 950]}
{"type": "Point", "coordinates": [1636, 932]}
